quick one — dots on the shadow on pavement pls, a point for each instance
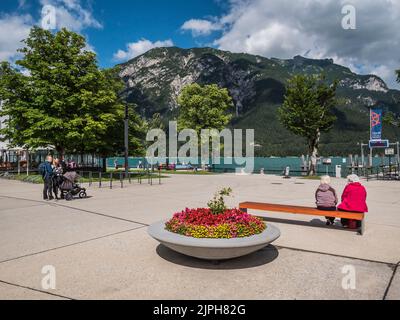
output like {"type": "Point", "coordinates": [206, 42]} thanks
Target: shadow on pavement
{"type": "Point", "coordinates": [259, 258]}
{"type": "Point", "coordinates": [74, 199]}
{"type": "Point", "coordinates": [314, 223]}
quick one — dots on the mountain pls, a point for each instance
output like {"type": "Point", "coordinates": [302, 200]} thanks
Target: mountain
{"type": "Point", "coordinates": [155, 79]}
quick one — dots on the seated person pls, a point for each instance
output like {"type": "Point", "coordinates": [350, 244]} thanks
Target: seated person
{"type": "Point", "coordinates": [326, 198]}
{"type": "Point", "coordinates": [354, 200]}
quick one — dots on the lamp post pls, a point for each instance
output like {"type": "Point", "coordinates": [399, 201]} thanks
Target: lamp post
{"type": "Point", "coordinates": [126, 138]}
{"type": "Point", "coordinates": [18, 163]}
{"type": "Point", "coordinates": [27, 161]}
{"type": "Point", "coordinates": [398, 152]}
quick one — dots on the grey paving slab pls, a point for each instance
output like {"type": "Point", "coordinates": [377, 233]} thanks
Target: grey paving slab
{"type": "Point", "coordinates": [26, 230]}
{"type": "Point", "coordinates": [394, 290]}
{"type": "Point", "coordinates": [134, 266]}
{"type": "Point", "coordinates": [148, 204]}
{"type": "Point", "coordinates": [9, 203]}
{"type": "Point", "coordinates": [11, 292]}
{"type": "Point", "coordinates": [131, 265]}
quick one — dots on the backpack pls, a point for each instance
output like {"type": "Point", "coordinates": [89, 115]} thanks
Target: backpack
{"type": "Point", "coordinates": [42, 169]}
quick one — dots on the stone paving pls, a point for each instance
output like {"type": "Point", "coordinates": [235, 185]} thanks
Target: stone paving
{"type": "Point", "coordinates": [100, 249]}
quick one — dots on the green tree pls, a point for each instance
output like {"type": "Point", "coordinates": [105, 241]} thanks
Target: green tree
{"type": "Point", "coordinates": [204, 107]}
{"type": "Point", "coordinates": [307, 111]}
{"type": "Point", "coordinates": [392, 119]}
{"type": "Point", "coordinates": [156, 122]}
{"type": "Point", "coordinates": [62, 98]}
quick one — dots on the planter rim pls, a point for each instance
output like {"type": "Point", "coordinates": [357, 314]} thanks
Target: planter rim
{"type": "Point", "coordinates": [158, 232]}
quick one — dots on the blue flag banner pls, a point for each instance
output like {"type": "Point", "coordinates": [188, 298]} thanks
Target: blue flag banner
{"type": "Point", "coordinates": [376, 124]}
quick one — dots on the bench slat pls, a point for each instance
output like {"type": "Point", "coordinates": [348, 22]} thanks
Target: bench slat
{"type": "Point", "coordinates": [300, 210]}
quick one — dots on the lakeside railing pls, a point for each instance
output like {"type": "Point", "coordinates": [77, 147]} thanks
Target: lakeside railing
{"type": "Point", "coordinates": [151, 176]}
{"type": "Point", "coordinates": [391, 172]}
{"type": "Point", "coordinates": [113, 178]}
{"type": "Point", "coordinates": [102, 179]}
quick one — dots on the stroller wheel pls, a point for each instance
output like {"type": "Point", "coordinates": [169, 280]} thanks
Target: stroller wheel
{"type": "Point", "coordinates": [68, 196]}
{"type": "Point", "coordinates": [82, 194]}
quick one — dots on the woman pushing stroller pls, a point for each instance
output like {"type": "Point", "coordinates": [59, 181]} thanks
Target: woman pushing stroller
{"type": "Point", "coordinates": [70, 187]}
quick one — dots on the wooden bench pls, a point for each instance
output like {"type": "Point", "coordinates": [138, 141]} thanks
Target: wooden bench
{"type": "Point", "coordinates": [244, 206]}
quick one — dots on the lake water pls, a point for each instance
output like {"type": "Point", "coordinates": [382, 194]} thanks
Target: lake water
{"type": "Point", "coordinates": [270, 165]}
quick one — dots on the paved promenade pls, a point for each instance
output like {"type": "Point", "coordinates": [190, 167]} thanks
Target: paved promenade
{"type": "Point", "coordinates": [100, 249]}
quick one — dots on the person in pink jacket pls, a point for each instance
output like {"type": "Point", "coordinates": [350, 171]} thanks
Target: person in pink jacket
{"type": "Point", "coordinates": [354, 199]}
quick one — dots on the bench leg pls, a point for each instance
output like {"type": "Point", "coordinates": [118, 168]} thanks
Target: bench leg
{"type": "Point", "coordinates": [362, 229]}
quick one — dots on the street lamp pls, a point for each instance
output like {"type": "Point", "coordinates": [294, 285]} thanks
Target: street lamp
{"type": "Point", "coordinates": [126, 138]}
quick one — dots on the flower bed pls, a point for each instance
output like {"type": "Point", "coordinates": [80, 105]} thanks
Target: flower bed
{"type": "Point", "coordinates": [203, 223]}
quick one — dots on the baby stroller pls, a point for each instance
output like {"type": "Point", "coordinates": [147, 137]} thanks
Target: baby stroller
{"type": "Point", "coordinates": [70, 187]}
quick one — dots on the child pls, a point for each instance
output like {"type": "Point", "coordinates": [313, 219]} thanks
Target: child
{"type": "Point", "coordinates": [326, 198]}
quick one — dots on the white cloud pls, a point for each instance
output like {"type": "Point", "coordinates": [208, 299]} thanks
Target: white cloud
{"type": "Point", "coordinates": [285, 28]}
{"type": "Point", "coordinates": [13, 29]}
{"type": "Point", "coordinates": [90, 48]}
{"type": "Point", "coordinates": [200, 27]}
{"type": "Point", "coordinates": [135, 49]}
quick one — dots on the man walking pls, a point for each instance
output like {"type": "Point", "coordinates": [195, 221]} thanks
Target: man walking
{"type": "Point", "coordinates": [47, 174]}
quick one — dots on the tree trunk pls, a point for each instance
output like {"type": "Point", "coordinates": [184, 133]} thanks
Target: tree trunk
{"type": "Point", "coordinates": [61, 152]}
{"type": "Point", "coordinates": [104, 166]}
{"type": "Point", "coordinates": [313, 152]}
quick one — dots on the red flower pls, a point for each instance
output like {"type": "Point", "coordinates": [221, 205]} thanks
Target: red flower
{"type": "Point", "coordinates": [204, 217]}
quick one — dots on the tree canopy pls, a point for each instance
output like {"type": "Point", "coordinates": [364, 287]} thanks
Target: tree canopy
{"type": "Point", "coordinates": [60, 97]}
{"type": "Point", "coordinates": [204, 107]}
{"type": "Point", "coordinates": [307, 110]}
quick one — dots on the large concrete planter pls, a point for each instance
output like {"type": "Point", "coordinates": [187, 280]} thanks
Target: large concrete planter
{"type": "Point", "coordinates": [213, 249]}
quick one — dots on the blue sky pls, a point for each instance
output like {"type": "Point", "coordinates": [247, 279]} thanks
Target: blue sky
{"type": "Point", "coordinates": [118, 30]}
{"type": "Point", "coordinates": [129, 21]}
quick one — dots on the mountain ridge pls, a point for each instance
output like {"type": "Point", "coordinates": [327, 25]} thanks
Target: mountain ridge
{"type": "Point", "coordinates": [257, 85]}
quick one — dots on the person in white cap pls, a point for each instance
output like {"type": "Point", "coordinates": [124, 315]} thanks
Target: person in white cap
{"type": "Point", "coordinates": [326, 198]}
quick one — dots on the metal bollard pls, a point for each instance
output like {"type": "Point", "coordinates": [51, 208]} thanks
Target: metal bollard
{"type": "Point", "coordinates": [121, 179]}
{"type": "Point", "coordinates": [111, 180]}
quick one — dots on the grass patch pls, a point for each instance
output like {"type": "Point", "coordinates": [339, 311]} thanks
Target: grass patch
{"type": "Point", "coordinates": [37, 179]}
{"type": "Point", "coordinates": [193, 173]}
{"type": "Point", "coordinates": [34, 178]}
{"type": "Point", "coordinates": [164, 172]}
{"type": "Point", "coordinates": [311, 178]}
